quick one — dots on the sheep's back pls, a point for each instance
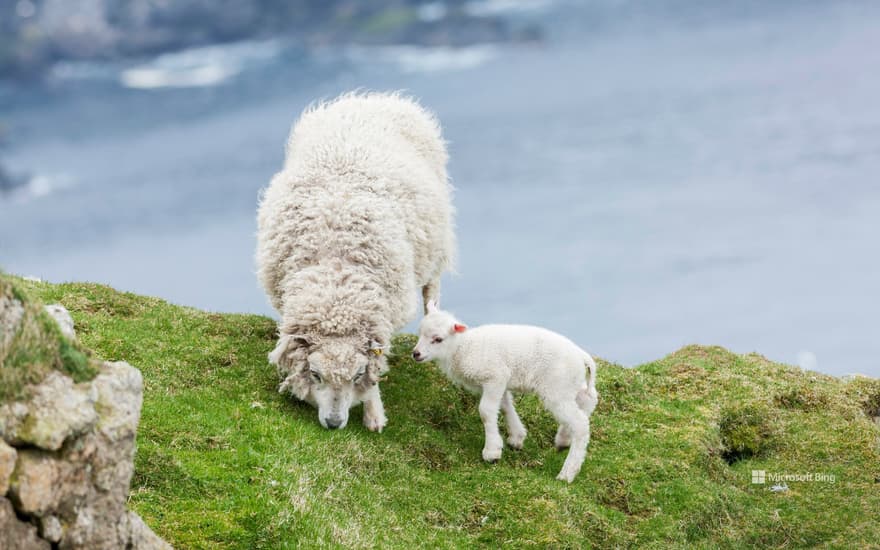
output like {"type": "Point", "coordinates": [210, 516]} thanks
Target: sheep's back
{"type": "Point", "coordinates": [358, 187]}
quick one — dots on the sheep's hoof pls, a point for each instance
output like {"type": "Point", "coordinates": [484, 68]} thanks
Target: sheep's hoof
{"type": "Point", "coordinates": [375, 424]}
{"type": "Point", "coordinates": [562, 446]}
{"type": "Point", "coordinates": [491, 455]}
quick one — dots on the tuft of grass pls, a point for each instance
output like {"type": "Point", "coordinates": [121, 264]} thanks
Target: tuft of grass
{"type": "Point", "coordinates": [747, 430]}
{"type": "Point", "coordinates": [224, 461]}
{"type": "Point", "coordinates": [36, 348]}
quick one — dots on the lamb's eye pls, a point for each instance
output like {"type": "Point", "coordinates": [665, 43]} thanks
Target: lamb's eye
{"type": "Point", "coordinates": [315, 376]}
{"type": "Point", "coordinates": [359, 375]}
{"type": "Point", "coordinates": [436, 340]}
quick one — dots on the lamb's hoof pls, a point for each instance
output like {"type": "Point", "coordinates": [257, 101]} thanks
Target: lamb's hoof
{"type": "Point", "coordinates": [492, 455]}
{"type": "Point", "coordinates": [563, 477]}
{"type": "Point", "coordinates": [375, 424]}
{"type": "Point", "coordinates": [562, 446]}
{"type": "Point", "coordinates": [515, 441]}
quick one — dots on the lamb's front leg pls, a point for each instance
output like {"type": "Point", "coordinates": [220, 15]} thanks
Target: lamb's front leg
{"type": "Point", "coordinates": [374, 411]}
{"type": "Point", "coordinates": [516, 432]}
{"type": "Point", "coordinates": [490, 403]}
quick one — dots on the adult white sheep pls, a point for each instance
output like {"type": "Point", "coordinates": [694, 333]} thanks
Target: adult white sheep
{"type": "Point", "coordinates": [496, 359]}
{"type": "Point", "coordinates": [356, 222]}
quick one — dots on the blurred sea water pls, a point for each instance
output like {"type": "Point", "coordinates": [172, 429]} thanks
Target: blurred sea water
{"type": "Point", "coordinates": [638, 181]}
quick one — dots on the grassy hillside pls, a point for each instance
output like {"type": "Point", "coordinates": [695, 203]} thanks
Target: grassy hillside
{"type": "Point", "coordinates": [224, 461]}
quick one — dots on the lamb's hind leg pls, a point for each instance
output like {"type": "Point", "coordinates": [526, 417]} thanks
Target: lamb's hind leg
{"type": "Point", "coordinates": [516, 432]}
{"type": "Point", "coordinates": [570, 415]}
{"type": "Point", "coordinates": [563, 438]}
{"type": "Point", "coordinates": [490, 403]}
{"type": "Point", "coordinates": [431, 291]}
{"type": "Point", "coordinates": [587, 401]}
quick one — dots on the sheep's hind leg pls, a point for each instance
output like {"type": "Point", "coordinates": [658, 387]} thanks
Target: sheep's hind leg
{"type": "Point", "coordinates": [431, 291]}
{"type": "Point", "coordinates": [516, 431]}
{"type": "Point", "coordinates": [374, 411]}
{"type": "Point", "coordinates": [490, 403]}
{"type": "Point", "coordinates": [570, 415]}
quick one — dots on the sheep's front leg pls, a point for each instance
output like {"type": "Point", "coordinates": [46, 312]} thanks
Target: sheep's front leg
{"type": "Point", "coordinates": [374, 411]}
{"type": "Point", "coordinates": [490, 403]}
{"type": "Point", "coordinates": [516, 431]}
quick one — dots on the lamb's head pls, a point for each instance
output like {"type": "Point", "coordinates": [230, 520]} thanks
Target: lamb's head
{"type": "Point", "coordinates": [330, 373]}
{"type": "Point", "coordinates": [438, 332]}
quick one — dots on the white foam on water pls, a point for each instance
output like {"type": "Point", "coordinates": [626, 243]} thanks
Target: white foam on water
{"type": "Point", "coordinates": [487, 8]}
{"type": "Point", "coordinates": [39, 186]}
{"type": "Point", "coordinates": [199, 67]}
{"type": "Point", "coordinates": [420, 59]}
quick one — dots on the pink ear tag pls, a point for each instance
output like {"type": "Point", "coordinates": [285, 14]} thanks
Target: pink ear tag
{"type": "Point", "coordinates": [459, 328]}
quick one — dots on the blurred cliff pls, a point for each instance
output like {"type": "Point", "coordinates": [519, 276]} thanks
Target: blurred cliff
{"type": "Point", "coordinates": [36, 33]}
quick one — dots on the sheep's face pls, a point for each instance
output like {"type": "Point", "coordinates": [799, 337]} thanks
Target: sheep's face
{"type": "Point", "coordinates": [333, 374]}
{"type": "Point", "coordinates": [437, 334]}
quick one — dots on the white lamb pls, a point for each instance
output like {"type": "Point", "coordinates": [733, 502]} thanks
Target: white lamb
{"type": "Point", "coordinates": [357, 221]}
{"type": "Point", "coordinates": [497, 359]}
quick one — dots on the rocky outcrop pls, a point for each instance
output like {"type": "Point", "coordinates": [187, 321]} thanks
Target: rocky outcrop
{"type": "Point", "coordinates": [66, 461]}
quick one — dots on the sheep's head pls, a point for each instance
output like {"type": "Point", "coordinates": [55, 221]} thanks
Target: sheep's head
{"type": "Point", "coordinates": [437, 334]}
{"type": "Point", "coordinates": [330, 373]}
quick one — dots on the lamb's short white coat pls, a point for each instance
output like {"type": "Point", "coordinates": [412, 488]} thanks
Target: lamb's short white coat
{"type": "Point", "coordinates": [495, 360]}
{"type": "Point", "coordinates": [355, 224]}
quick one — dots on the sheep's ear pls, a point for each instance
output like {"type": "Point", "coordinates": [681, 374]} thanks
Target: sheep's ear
{"type": "Point", "coordinates": [376, 347]}
{"type": "Point", "coordinates": [458, 327]}
{"type": "Point", "coordinates": [433, 306]}
{"type": "Point", "coordinates": [285, 343]}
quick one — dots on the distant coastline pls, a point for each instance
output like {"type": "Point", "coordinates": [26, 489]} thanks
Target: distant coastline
{"type": "Point", "coordinates": [35, 34]}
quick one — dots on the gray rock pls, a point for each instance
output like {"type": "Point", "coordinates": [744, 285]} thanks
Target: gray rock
{"type": "Point", "coordinates": [63, 318]}
{"type": "Point", "coordinates": [142, 537]}
{"type": "Point", "coordinates": [12, 416]}
{"type": "Point", "coordinates": [57, 411]}
{"type": "Point", "coordinates": [50, 528]}
{"type": "Point", "coordinates": [120, 390]}
{"type": "Point", "coordinates": [43, 482]}
{"type": "Point", "coordinates": [73, 478]}
{"type": "Point", "coordinates": [11, 312]}
{"type": "Point", "coordinates": [17, 534]}
{"type": "Point", "coordinates": [7, 466]}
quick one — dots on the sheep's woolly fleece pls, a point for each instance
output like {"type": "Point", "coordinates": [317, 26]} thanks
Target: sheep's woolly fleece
{"type": "Point", "coordinates": [357, 221]}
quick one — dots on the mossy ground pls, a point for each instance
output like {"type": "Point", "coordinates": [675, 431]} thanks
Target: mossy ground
{"type": "Point", "coordinates": [36, 348]}
{"type": "Point", "coordinates": [224, 461]}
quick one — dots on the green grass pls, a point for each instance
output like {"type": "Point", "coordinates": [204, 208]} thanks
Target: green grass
{"type": "Point", "coordinates": [36, 348]}
{"type": "Point", "coordinates": [224, 461]}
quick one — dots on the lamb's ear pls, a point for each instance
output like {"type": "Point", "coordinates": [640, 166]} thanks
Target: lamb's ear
{"type": "Point", "coordinates": [458, 327]}
{"type": "Point", "coordinates": [432, 306]}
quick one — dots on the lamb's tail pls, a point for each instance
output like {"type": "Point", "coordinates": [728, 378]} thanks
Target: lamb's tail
{"type": "Point", "coordinates": [591, 373]}
{"type": "Point", "coordinates": [588, 397]}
